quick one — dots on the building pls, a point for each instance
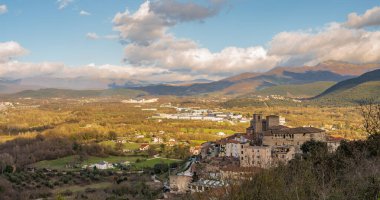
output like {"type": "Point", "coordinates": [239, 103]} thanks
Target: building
{"type": "Point", "coordinates": [102, 165]}
{"type": "Point", "coordinates": [333, 143]}
{"type": "Point", "coordinates": [144, 147]}
{"type": "Point", "coordinates": [204, 185]}
{"type": "Point", "coordinates": [282, 154]}
{"type": "Point", "coordinates": [195, 150]}
{"type": "Point", "coordinates": [158, 140]}
{"type": "Point", "coordinates": [292, 136]}
{"type": "Point", "coordinates": [233, 148]}
{"type": "Point", "coordinates": [233, 173]}
{"type": "Point", "coordinates": [255, 156]}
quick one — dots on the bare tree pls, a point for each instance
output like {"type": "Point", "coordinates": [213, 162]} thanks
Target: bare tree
{"type": "Point", "coordinates": [5, 160]}
{"type": "Point", "coordinates": [370, 112]}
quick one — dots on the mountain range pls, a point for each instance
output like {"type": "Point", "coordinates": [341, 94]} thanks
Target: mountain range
{"type": "Point", "coordinates": [319, 81]}
{"type": "Point", "coordinates": [328, 72]}
{"type": "Point", "coordinates": [364, 87]}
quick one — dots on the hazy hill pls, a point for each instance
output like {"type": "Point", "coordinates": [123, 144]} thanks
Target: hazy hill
{"type": "Point", "coordinates": [366, 86]}
{"type": "Point", "coordinates": [245, 83]}
{"type": "Point", "coordinates": [301, 90]}
{"type": "Point", "coordinates": [64, 93]}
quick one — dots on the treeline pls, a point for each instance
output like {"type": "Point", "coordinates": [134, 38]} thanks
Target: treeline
{"type": "Point", "coordinates": [352, 172]}
{"type": "Point", "coordinates": [19, 153]}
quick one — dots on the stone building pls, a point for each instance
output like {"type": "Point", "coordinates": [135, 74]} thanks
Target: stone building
{"type": "Point", "coordinates": [255, 156]}
{"type": "Point", "coordinates": [282, 154]}
{"type": "Point", "coordinates": [292, 136]}
{"type": "Point", "coordinates": [233, 148]}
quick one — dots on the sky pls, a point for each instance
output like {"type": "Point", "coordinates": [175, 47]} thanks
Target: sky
{"type": "Point", "coordinates": [161, 40]}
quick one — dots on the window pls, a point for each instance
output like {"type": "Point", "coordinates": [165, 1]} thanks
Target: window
{"type": "Point", "coordinates": [242, 152]}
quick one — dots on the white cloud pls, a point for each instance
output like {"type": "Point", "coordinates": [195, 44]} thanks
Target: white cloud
{"type": "Point", "coordinates": [154, 54]}
{"type": "Point", "coordinates": [10, 50]}
{"type": "Point", "coordinates": [334, 42]}
{"type": "Point", "coordinates": [3, 9]}
{"type": "Point", "coordinates": [150, 44]}
{"type": "Point", "coordinates": [92, 36]}
{"type": "Point", "coordinates": [179, 11]}
{"type": "Point", "coordinates": [370, 18]}
{"type": "Point", "coordinates": [14, 69]}
{"type": "Point", "coordinates": [84, 13]}
{"type": "Point", "coordinates": [95, 36]}
{"type": "Point", "coordinates": [63, 3]}
{"type": "Point", "coordinates": [141, 27]}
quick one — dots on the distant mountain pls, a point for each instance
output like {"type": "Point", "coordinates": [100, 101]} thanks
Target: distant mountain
{"type": "Point", "coordinates": [300, 90]}
{"type": "Point", "coordinates": [366, 86]}
{"type": "Point", "coordinates": [331, 71]}
{"type": "Point", "coordinates": [65, 93]}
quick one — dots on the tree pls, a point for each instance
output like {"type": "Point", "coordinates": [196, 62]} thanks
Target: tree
{"type": "Point", "coordinates": [370, 112]}
{"type": "Point", "coordinates": [119, 146]}
{"type": "Point", "coordinates": [6, 161]}
{"type": "Point", "coordinates": [112, 135]}
{"type": "Point", "coordinates": [314, 148]}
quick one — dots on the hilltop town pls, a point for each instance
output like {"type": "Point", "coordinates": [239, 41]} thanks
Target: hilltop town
{"type": "Point", "coordinates": [266, 143]}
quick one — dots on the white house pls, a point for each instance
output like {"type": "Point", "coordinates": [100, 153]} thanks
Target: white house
{"type": "Point", "coordinates": [102, 165]}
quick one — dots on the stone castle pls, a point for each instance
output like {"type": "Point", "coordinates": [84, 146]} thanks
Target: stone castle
{"type": "Point", "coordinates": [267, 142]}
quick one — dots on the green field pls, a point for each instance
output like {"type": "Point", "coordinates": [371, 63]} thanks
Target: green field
{"type": "Point", "coordinates": [130, 146]}
{"type": "Point", "coordinates": [197, 142]}
{"type": "Point", "coordinates": [207, 130]}
{"type": "Point", "coordinates": [80, 188]}
{"type": "Point", "coordinates": [61, 163]}
{"type": "Point", "coordinates": [151, 162]}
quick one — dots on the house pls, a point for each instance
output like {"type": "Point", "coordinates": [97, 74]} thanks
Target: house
{"type": "Point", "coordinates": [102, 165]}
{"type": "Point", "coordinates": [221, 133]}
{"type": "Point", "coordinates": [172, 142]}
{"type": "Point", "coordinates": [144, 147]}
{"type": "Point", "coordinates": [255, 156]}
{"type": "Point", "coordinates": [233, 173]}
{"type": "Point", "coordinates": [158, 140]}
{"type": "Point", "coordinates": [204, 185]}
{"type": "Point", "coordinates": [233, 148]}
{"type": "Point", "coordinates": [195, 150]}
{"type": "Point", "coordinates": [282, 154]}
{"type": "Point", "coordinates": [333, 143]}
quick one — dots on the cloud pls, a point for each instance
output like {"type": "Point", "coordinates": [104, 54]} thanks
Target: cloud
{"type": "Point", "coordinates": [10, 50]}
{"type": "Point", "coordinates": [334, 42]}
{"type": "Point", "coordinates": [84, 13]}
{"type": "Point", "coordinates": [63, 3]}
{"type": "Point", "coordinates": [370, 18]}
{"type": "Point", "coordinates": [141, 27]}
{"type": "Point", "coordinates": [175, 11]}
{"type": "Point", "coordinates": [95, 36]}
{"type": "Point", "coordinates": [181, 54]}
{"type": "Point", "coordinates": [15, 69]}
{"type": "Point", "coordinates": [148, 42]}
{"type": "Point", "coordinates": [3, 9]}
{"type": "Point", "coordinates": [152, 20]}
{"type": "Point", "coordinates": [152, 53]}
{"type": "Point", "coordinates": [92, 36]}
